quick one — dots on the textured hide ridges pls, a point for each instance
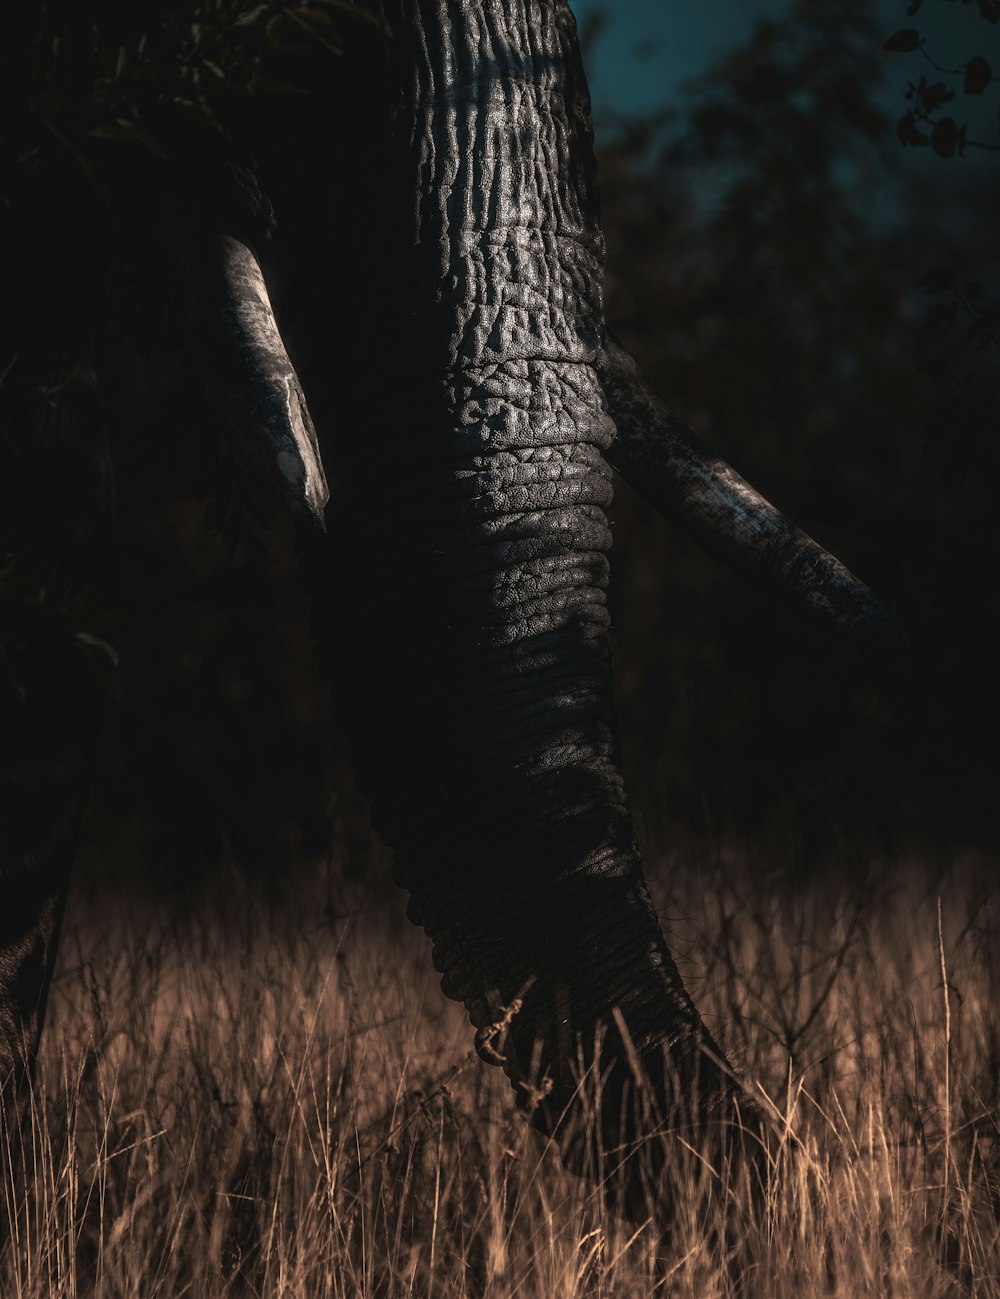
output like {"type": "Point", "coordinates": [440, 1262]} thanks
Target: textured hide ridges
{"type": "Point", "coordinates": [473, 682]}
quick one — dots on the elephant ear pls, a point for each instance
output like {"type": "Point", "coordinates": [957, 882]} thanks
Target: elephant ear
{"type": "Point", "coordinates": [218, 287]}
{"type": "Point", "coordinates": [707, 499]}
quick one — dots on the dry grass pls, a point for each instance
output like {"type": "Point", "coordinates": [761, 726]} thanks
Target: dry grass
{"type": "Point", "coordinates": [279, 1102]}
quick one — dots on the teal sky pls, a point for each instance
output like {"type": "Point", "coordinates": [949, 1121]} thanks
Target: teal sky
{"type": "Point", "coordinates": [652, 47]}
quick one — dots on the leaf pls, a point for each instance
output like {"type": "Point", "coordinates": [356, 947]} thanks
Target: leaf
{"type": "Point", "coordinates": [932, 97]}
{"type": "Point", "coordinates": [905, 41]}
{"type": "Point", "coordinates": [305, 18]}
{"type": "Point", "coordinates": [978, 75]}
{"type": "Point", "coordinates": [914, 7]}
{"type": "Point", "coordinates": [982, 330]}
{"type": "Point", "coordinates": [907, 132]}
{"type": "Point", "coordinates": [359, 13]}
{"type": "Point", "coordinates": [252, 16]}
{"type": "Point", "coordinates": [95, 642]}
{"type": "Point", "coordinates": [989, 10]}
{"type": "Point", "coordinates": [942, 317]}
{"type": "Point", "coordinates": [944, 137]}
{"type": "Point", "coordinates": [117, 130]}
{"type": "Point", "coordinates": [281, 40]}
{"type": "Point", "coordinates": [938, 280]}
{"type": "Point", "coordinates": [311, 14]}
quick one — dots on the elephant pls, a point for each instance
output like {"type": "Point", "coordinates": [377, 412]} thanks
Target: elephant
{"type": "Point", "coordinates": [439, 283]}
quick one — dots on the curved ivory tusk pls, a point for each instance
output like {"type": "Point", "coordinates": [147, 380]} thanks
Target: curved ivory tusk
{"type": "Point", "coordinates": [248, 372]}
{"type": "Point", "coordinates": [662, 459]}
{"type": "Point", "coordinates": [266, 402]}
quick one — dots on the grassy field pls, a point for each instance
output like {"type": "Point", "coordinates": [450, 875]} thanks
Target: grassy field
{"type": "Point", "coordinates": [275, 1099]}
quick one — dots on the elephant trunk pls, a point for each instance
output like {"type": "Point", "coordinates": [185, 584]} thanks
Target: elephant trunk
{"type": "Point", "coordinates": [476, 689]}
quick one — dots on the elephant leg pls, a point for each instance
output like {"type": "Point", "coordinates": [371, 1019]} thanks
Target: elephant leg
{"type": "Point", "coordinates": [55, 514]}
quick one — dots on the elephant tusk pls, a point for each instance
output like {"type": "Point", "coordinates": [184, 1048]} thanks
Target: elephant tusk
{"type": "Point", "coordinates": [707, 499]}
{"type": "Point", "coordinates": [275, 428]}
{"type": "Point", "coordinates": [248, 372]}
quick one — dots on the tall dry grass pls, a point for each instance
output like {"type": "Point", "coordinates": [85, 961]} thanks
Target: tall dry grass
{"type": "Point", "coordinates": [276, 1100]}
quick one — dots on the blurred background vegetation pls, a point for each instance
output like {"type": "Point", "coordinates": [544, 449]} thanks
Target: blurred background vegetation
{"type": "Point", "coordinates": [820, 304]}
{"type": "Point", "coordinates": [823, 306]}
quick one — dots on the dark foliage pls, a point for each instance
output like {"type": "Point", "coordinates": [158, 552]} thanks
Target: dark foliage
{"type": "Point", "coordinates": [945, 136]}
{"type": "Point", "coordinates": [763, 298]}
{"type": "Point", "coordinates": [759, 274]}
{"type": "Point", "coordinates": [102, 103]}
